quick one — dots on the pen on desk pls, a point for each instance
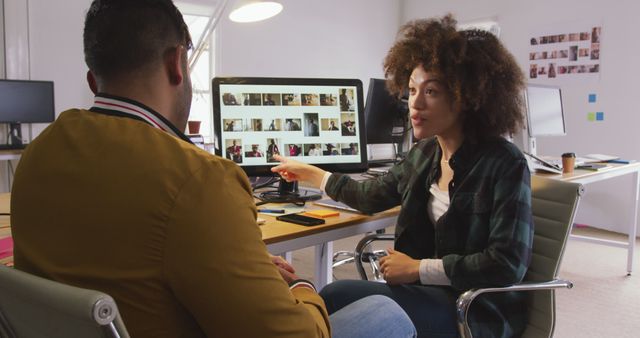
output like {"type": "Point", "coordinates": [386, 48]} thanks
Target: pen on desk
{"type": "Point", "coordinates": [272, 211]}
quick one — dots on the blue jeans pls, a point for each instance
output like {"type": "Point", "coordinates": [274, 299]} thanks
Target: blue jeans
{"type": "Point", "coordinates": [371, 317]}
{"type": "Point", "coordinates": [431, 308]}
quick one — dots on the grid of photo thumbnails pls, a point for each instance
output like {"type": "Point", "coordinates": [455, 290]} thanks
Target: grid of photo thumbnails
{"type": "Point", "coordinates": [563, 54]}
{"type": "Point", "coordinates": [318, 125]}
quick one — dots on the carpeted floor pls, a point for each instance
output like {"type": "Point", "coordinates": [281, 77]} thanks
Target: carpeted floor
{"type": "Point", "coordinates": [604, 302]}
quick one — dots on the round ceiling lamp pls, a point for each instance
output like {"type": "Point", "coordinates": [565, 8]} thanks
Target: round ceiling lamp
{"type": "Point", "coordinates": [252, 11]}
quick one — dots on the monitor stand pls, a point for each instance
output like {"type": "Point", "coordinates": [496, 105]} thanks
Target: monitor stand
{"type": "Point", "coordinates": [290, 192]}
{"type": "Point", "coordinates": [15, 137]}
{"type": "Point", "coordinates": [533, 146]}
{"type": "Point", "coordinates": [292, 189]}
{"type": "Point", "coordinates": [287, 188]}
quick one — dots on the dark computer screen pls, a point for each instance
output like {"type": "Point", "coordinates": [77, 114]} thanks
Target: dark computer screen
{"type": "Point", "coordinates": [385, 114]}
{"type": "Point", "coordinates": [23, 101]}
{"type": "Point", "coordinates": [317, 121]}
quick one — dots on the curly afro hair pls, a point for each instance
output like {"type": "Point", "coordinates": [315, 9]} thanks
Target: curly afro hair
{"type": "Point", "coordinates": [478, 70]}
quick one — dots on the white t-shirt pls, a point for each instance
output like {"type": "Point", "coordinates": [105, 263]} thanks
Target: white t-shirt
{"type": "Point", "coordinates": [432, 270]}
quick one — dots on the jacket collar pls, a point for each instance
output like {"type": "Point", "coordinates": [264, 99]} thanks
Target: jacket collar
{"type": "Point", "coordinates": [465, 156]}
{"type": "Point", "coordinates": [461, 161]}
{"type": "Point", "coordinates": [124, 107]}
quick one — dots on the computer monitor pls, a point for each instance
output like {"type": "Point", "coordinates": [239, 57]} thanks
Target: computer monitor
{"type": "Point", "coordinates": [316, 121]}
{"type": "Point", "coordinates": [386, 120]}
{"type": "Point", "coordinates": [25, 101]}
{"type": "Point", "coordinates": [545, 116]}
{"type": "Point", "coordinates": [385, 114]}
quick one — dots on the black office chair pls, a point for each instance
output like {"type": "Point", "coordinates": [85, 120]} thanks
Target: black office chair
{"type": "Point", "coordinates": [34, 307]}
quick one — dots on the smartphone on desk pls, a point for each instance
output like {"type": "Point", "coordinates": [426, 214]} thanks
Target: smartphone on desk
{"type": "Point", "coordinates": [300, 219]}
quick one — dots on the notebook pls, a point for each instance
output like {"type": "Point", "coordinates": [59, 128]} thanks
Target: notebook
{"type": "Point", "coordinates": [322, 213]}
{"type": "Point", "coordinates": [602, 157]}
{"type": "Point", "coordinates": [557, 160]}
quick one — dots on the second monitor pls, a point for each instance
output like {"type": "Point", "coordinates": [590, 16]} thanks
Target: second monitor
{"type": "Point", "coordinates": [545, 115]}
{"type": "Point", "coordinates": [386, 119]}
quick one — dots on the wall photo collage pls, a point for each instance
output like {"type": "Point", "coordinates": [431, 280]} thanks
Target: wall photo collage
{"type": "Point", "coordinates": [565, 54]}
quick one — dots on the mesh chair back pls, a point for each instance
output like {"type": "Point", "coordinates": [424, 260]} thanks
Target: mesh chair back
{"type": "Point", "coordinates": [554, 204]}
{"type": "Point", "coordinates": [31, 306]}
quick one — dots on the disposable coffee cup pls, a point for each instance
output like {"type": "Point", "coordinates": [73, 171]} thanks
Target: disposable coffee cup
{"type": "Point", "coordinates": [568, 162]}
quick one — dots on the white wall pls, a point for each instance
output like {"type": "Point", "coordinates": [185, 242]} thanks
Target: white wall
{"type": "Point", "coordinates": [330, 38]}
{"type": "Point", "coordinates": [606, 204]}
{"type": "Point", "coordinates": [44, 42]}
{"type": "Point", "coordinates": [56, 51]}
{"type": "Point", "coordinates": [1, 39]}
{"type": "Point", "coordinates": [16, 63]}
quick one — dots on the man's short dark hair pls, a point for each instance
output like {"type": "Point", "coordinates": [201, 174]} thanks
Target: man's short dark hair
{"type": "Point", "coordinates": [123, 36]}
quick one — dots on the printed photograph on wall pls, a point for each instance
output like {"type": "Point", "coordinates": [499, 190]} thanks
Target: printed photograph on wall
{"type": "Point", "coordinates": [567, 52]}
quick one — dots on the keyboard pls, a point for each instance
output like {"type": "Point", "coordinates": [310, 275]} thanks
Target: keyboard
{"type": "Point", "coordinates": [328, 202]}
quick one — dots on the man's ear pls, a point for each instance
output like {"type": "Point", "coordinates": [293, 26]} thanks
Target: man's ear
{"type": "Point", "coordinates": [91, 80]}
{"type": "Point", "coordinates": [173, 64]}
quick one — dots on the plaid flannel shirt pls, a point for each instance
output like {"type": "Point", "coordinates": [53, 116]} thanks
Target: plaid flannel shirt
{"type": "Point", "coordinates": [484, 238]}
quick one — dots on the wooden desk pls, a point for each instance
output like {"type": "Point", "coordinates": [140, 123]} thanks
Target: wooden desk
{"type": "Point", "coordinates": [10, 155]}
{"type": "Point", "coordinates": [4, 204]}
{"type": "Point", "coordinates": [283, 237]}
{"type": "Point", "coordinates": [5, 230]}
{"type": "Point", "coordinates": [614, 170]}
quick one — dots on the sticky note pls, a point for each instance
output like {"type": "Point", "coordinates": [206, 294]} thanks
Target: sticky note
{"type": "Point", "coordinates": [322, 213]}
{"type": "Point", "coordinates": [600, 116]}
{"type": "Point", "coordinates": [6, 247]}
{"type": "Point", "coordinates": [592, 98]}
{"type": "Point", "coordinates": [591, 116]}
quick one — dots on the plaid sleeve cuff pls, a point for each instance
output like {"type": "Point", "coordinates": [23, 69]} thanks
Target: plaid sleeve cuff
{"type": "Point", "coordinates": [301, 283]}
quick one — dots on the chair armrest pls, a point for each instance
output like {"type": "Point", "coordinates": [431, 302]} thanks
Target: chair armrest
{"type": "Point", "coordinates": [362, 244]}
{"type": "Point", "coordinates": [464, 301]}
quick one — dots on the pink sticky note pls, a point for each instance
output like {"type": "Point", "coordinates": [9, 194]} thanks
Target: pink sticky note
{"type": "Point", "coordinates": [6, 247]}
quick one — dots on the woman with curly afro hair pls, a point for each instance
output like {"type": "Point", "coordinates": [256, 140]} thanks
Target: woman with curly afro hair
{"type": "Point", "coordinates": [464, 190]}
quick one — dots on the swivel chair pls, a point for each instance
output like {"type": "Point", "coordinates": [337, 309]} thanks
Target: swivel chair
{"type": "Point", "coordinates": [344, 257]}
{"type": "Point", "coordinates": [32, 307]}
{"type": "Point", "coordinates": [554, 204]}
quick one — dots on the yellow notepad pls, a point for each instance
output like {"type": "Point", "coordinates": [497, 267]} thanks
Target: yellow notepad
{"type": "Point", "coordinates": [322, 213]}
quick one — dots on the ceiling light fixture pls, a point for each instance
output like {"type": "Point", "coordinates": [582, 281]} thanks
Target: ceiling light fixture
{"type": "Point", "coordinates": [244, 11]}
{"type": "Point", "coordinates": [252, 10]}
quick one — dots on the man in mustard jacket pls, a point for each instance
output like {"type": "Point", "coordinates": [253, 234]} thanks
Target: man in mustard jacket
{"type": "Point", "coordinates": [116, 198]}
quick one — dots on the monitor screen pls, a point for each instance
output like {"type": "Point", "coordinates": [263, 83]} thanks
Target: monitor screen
{"type": "Point", "coordinates": [317, 121]}
{"type": "Point", "coordinates": [385, 114]}
{"type": "Point", "coordinates": [23, 101]}
{"type": "Point", "coordinates": [544, 110]}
